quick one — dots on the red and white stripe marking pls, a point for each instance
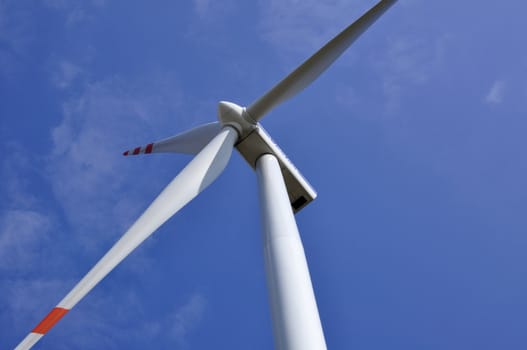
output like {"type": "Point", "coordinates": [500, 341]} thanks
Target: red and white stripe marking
{"type": "Point", "coordinates": [42, 328]}
{"type": "Point", "coordinates": [140, 150]}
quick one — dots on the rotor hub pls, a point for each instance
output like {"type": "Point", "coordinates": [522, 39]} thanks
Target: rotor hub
{"type": "Point", "coordinates": [234, 115]}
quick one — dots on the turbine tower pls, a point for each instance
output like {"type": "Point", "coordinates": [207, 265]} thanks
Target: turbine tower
{"type": "Point", "coordinates": [283, 191]}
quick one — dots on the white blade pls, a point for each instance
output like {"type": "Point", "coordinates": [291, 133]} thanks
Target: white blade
{"type": "Point", "coordinates": [190, 142]}
{"type": "Point", "coordinates": [308, 71]}
{"type": "Point", "coordinates": [193, 179]}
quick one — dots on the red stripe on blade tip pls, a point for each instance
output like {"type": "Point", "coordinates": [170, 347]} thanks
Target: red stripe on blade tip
{"type": "Point", "coordinates": [137, 150]}
{"type": "Point", "coordinates": [49, 321]}
{"type": "Point", "coordinates": [149, 147]}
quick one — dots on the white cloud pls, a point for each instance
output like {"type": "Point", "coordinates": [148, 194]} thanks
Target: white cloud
{"type": "Point", "coordinates": [178, 324]}
{"type": "Point", "coordinates": [297, 28]}
{"type": "Point", "coordinates": [397, 65]}
{"type": "Point", "coordinates": [410, 61]}
{"type": "Point", "coordinates": [89, 176]}
{"type": "Point", "coordinates": [496, 93]}
{"type": "Point", "coordinates": [15, 170]}
{"type": "Point", "coordinates": [201, 7]}
{"type": "Point", "coordinates": [3, 18]}
{"type": "Point", "coordinates": [210, 10]}
{"type": "Point", "coordinates": [69, 4]}
{"type": "Point", "coordinates": [29, 300]}
{"type": "Point", "coordinates": [65, 73]}
{"type": "Point", "coordinates": [75, 12]}
{"type": "Point", "coordinates": [24, 226]}
{"type": "Point", "coordinates": [186, 318]}
{"type": "Point", "coordinates": [16, 34]}
{"type": "Point", "coordinates": [27, 242]}
{"type": "Point", "coordinates": [21, 234]}
{"type": "Point", "coordinates": [14, 24]}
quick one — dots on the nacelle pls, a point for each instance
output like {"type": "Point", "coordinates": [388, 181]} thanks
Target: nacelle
{"type": "Point", "coordinates": [258, 143]}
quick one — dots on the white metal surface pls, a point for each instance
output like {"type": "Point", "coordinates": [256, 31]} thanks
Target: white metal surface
{"type": "Point", "coordinates": [314, 66]}
{"type": "Point", "coordinates": [254, 141]}
{"type": "Point", "coordinates": [193, 179]}
{"type": "Point", "coordinates": [30, 340]}
{"type": "Point", "coordinates": [257, 143]}
{"type": "Point", "coordinates": [296, 323]}
{"type": "Point", "coordinates": [231, 114]}
{"type": "Point", "coordinates": [189, 142]}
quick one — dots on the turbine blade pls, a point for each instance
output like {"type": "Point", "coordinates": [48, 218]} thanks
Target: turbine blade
{"type": "Point", "coordinates": [193, 179]}
{"type": "Point", "coordinates": [314, 66]}
{"type": "Point", "coordinates": [189, 142]}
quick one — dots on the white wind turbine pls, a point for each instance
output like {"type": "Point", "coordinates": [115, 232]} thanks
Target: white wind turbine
{"type": "Point", "coordinates": [282, 189]}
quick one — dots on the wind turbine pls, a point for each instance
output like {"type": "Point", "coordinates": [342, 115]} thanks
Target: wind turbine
{"type": "Point", "coordinates": [282, 189]}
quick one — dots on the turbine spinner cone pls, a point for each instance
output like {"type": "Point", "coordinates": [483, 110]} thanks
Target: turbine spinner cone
{"type": "Point", "coordinates": [234, 115]}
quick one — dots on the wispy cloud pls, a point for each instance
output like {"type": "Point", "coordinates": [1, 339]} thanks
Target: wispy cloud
{"type": "Point", "coordinates": [24, 226]}
{"type": "Point", "coordinates": [15, 168]}
{"type": "Point", "coordinates": [177, 324]}
{"type": "Point", "coordinates": [186, 318]}
{"type": "Point", "coordinates": [180, 322]}
{"type": "Point", "coordinates": [409, 62]}
{"type": "Point", "coordinates": [209, 11]}
{"type": "Point", "coordinates": [496, 92]}
{"type": "Point", "coordinates": [202, 7]}
{"type": "Point", "coordinates": [75, 12]}
{"type": "Point", "coordinates": [86, 169]}
{"type": "Point", "coordinates": [296, 28]}
{"type": "Point", "coordinates": [27, 243]}
{"type": "Point", "coordinates": [16, 34]}
{"type": "Point", "coordinates": [65, 74]}
{"type": "Point", "coordinates": [28, 299]}
{"type": "Point", "coordinates": [21, 234]}
{"type": "Point", "coordinates": [399, 64]}
{"type": "Point", "coordinates": [15, 25]}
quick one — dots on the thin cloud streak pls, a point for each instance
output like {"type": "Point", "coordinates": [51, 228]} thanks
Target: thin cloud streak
{"type": "Point", "coordinates": [187, 317]}
{"type": "Point", "coordinates": [496, 93]}
{"type": "Point", "coordinates": [65, 74]}
{"type": "Point", "coordinates": [86, 161]}
{"type": "Point", "coordinates": [76, 12]}
{"type": "Point", "coordinates": [296, 28]}
{"type": "Point", "coordinates": [21, 234]}
{"type": "Point", "coordinates": [179, 323]}
{"type": "Point", "coordinates": [410, 61]}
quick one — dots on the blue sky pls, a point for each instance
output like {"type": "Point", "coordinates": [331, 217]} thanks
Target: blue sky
{"type": "Point", "coordinates": [414, 139]}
